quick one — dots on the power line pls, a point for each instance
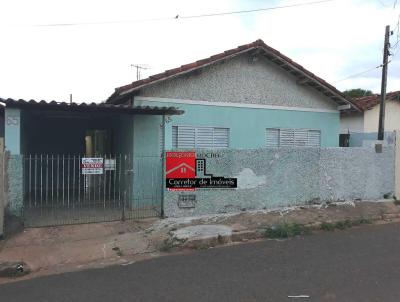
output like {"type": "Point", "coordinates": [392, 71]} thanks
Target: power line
{"type": "Point", "coordinates": [102, 22]}
{"type": "Point", "coordinates": [359, 73]}
{"type": "Point", "coordinates": [254, 10]}
{"type": "Point", "coordinates": [177, 17]}
{"type": "Point", "coordinates": [397, 29]}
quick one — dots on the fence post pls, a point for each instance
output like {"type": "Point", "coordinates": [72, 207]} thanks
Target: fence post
{"type": "Point", "coordinates": [397, 165]}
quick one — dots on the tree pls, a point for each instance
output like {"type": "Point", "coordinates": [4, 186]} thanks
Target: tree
{"type": "Point", "coordinates": [357, 93]}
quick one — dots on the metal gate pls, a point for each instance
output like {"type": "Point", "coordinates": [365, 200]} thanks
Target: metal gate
{"type": "Point", "coordinates": [57, 191]}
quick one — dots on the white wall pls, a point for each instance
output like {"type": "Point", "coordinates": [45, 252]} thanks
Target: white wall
{"type": "Point", "coordinates": [392, 117]}
{"type": "Point", "coordinates": [353, 122]}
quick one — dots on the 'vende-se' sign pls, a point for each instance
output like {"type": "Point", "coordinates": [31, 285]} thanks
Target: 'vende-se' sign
{"type": "Point", "coordinates": [92, 165]}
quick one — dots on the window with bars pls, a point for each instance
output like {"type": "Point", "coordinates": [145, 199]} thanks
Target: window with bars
{"type": "Point", "coordinates": [185, 137]}
{"type": "Point", "coordinates": [283, 137]}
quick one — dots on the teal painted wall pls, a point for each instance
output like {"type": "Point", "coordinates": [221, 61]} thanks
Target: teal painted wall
{"type": "Point", "coordinates": [247, 125]}
{"type": "Point", "coordinates": [147, 162]}
{"type": "Point", "coordinates": [12, 130]}
{"type": "Point", "coordinates": [146, 135]}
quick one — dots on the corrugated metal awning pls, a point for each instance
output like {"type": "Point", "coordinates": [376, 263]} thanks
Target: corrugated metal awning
{"type": "Point", "coordinates": [91, 107]}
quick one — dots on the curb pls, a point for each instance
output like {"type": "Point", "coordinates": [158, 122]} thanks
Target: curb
{"type": "Point", "coordinates": [247, 235]}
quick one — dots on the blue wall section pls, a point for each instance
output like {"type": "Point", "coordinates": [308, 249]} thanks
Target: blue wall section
{"type": "Point", "coordinates": [247, 125]}
{"type": "Point", "coordinates": [147, 162]}
{"type": "Point", "coordinates": [13, 130]}
{"type": "Point", "coordinates": [359, 139]}
{"type": "Point", "coordinates": [146, 135]}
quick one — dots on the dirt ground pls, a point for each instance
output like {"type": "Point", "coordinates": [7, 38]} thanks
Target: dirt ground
{"type": "Point", "coordinates": [59, 249]}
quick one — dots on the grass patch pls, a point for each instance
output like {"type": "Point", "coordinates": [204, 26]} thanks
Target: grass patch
{"type": "Point", "coordinates": [344, 224]}
{"type": "Point", "coordinates": [326, 226]}
{"type": "Point", "coordinates": [362, 221]}
{"type": "Point", "coordinates": [166, 246]}
{"type": "Point", "coordinates": [285, 230]}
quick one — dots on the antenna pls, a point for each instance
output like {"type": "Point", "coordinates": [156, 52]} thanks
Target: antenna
{"type": "Point", "coordinates": [139, 67]}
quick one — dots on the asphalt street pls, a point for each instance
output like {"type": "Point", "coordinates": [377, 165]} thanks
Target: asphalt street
{"type": "Point", "coordinates": [359, 264]}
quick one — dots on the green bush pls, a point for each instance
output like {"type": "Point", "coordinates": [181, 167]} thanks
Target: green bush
{"type": "Point", "coordinates": [285, 230]}
{"type": "Point", "coordinates": [344, 224]}
{"type": "Point", "coordinates": [326, 226]}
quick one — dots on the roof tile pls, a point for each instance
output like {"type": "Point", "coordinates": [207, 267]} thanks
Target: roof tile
{"type": "Point", "coordinates": [368, 102]}
{"type": "Point", "coordinates": [87, 106]}
{"type": "Point", "coordinates": [201, 63]}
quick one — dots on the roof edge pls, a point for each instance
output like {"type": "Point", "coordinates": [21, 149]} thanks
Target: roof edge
{"type": "Point", "coordinates": [122, 91]}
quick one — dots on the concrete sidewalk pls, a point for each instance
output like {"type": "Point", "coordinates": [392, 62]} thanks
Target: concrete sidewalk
{"type": "Point", "coordinates": [68, 248]}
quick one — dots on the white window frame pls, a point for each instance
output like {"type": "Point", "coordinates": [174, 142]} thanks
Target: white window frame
{"type": "Point", "coordinates": [197, 130]}
{"type": "Point", "coordinates": [297, 139]}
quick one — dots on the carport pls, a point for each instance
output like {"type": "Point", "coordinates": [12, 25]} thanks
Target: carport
{"type": "Point", "coordinates": [86, 162]}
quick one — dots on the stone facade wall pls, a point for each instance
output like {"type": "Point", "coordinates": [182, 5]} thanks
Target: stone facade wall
{"type": "Point", "coordinates": [273, 178]}
{"type": "Point", "coordinates": [242, 80]}
{"type": "Point", "coordinates": [14, 185]}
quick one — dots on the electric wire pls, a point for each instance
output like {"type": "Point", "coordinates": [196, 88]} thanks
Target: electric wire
{"type": "Point", "coordinates": [178, 17]}
{"type": "Point", "coordinates": [359, 73]}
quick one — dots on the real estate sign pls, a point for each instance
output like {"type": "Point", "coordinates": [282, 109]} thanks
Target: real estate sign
{"type": "Point", "coordinates": [185, 171]}
{"type": "Point", "coordinates": [92, 165]}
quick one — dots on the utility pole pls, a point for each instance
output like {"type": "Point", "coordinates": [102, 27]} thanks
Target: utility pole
{"type": "Point", "coordinates": [381, 129]}
{"type": "Point", "coordinates": [138, 68]}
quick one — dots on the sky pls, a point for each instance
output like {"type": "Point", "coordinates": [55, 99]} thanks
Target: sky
{"type": "Point", "coordinates": [334, 40]}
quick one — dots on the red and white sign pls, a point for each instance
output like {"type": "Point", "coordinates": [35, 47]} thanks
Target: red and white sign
{"type": "Point", "coordinates": [92, 165]}
{"type": "Point", "coordinates": [180, 165]}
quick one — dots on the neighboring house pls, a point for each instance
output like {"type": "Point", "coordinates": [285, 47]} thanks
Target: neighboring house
{"type": "Point", "coordinates": [251, 96]}
{"type": "Point", "coordinates": [361, 126]}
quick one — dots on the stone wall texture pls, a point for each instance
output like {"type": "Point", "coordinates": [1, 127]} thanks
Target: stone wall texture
{"type": "Point", "coordinates": [242, 80]}
{"type": "Point", "coordinates": [14, 185]}
{"type": "Point", "coordinates": [280, 177]}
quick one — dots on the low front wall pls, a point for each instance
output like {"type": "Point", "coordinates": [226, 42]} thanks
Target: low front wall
{"type": "Point", "coordinates": [14, 185]}
{"type": "Point", "coordinates": [280, 177]}
{"type": "Point", "coordinates": [2, 195]}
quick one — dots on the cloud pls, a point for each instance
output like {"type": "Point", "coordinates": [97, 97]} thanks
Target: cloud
{"type": "Point", "coordinates": [332, 39]}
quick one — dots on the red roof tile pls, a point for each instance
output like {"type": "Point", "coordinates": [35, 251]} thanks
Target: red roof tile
{"type": "Point", "coordinates": [367, 102]}
{"type": "Point", "coordinates": [258, 44]}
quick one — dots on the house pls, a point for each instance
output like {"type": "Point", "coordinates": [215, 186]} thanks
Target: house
{"type": "Point", "coordinates": [362, 126]}
{"type": "Point", "coordinates": [74, 163]}
{"type": "Point", "coordinates": [251, 96]}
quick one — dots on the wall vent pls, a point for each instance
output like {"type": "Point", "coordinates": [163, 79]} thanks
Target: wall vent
{"type": "Point", "coordinates": [186, 201]}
